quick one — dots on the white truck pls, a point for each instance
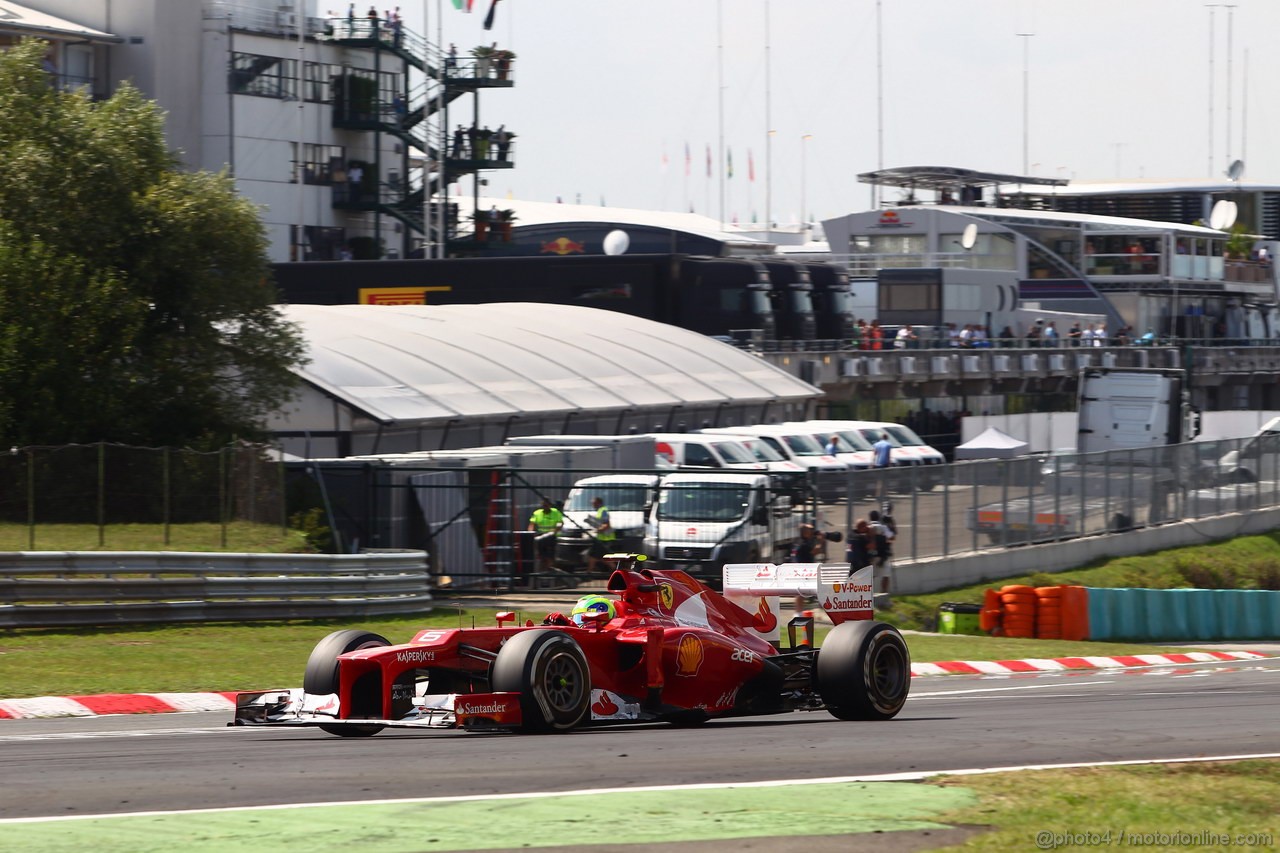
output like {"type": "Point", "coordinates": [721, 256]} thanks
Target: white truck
{"type": "Point", "coordinates": [702, 521]}
{"type": "Point", "coordinates": [1141, 414]}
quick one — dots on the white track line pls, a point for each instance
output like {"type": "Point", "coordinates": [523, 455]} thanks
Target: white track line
{"type": "Point", "coordinates": [913, 776]}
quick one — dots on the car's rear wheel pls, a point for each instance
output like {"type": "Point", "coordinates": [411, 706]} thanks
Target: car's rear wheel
{"type": "Point", "coordinates": [321, 677]}
{"type": "Point", "coordinates": [549, 671]}
{"type": "Point", "coordinates": [863, 671]}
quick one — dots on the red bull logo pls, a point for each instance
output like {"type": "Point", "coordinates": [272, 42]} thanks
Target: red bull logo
{"type": "Point", "coordinates": [563, 246]}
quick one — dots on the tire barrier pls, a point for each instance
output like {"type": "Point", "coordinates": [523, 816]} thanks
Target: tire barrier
{"type": "Point", "coordinates": [1183, 614]}
{"type": "Point", "coordinates": [1045, 613]}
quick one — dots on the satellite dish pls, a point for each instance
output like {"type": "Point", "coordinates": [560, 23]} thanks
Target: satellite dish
{"type": "Point", "coordinates": [616, 242]}
{"type": "Point", "coordinates": [1235, 170]}
{"type": "Point", "coordinates": [1223, 215]}
{"type": "Point", "coordinates": [970, 236]}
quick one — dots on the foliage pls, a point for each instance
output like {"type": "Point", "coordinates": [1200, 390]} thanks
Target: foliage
{"type": "Point", "coordinates": [135, 303]}
{"type": "Point", "coordinates": [311, 523]}
{"type": "Point", "coordinates": [1240, 243]}
{"type": "Point", "coordinates": [507, 215]}
{"type": "Point", "coordinates": [483, 51]}
{"type": "Point", "coordinates": [365, 248]}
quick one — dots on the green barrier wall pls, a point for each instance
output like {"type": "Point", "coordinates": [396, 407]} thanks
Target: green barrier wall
{"type": "Point", "coordinates": [1183, 614]}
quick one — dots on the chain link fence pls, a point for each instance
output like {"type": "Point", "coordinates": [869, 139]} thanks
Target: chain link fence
{"type": "Point", "coordinates": [473, 521]}
{"type": "Point", "coordinates": [109, 486]}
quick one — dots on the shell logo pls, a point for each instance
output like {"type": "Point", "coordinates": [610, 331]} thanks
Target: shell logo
{"type": "Point", "coordinates": [689, 655]}
{"type": "Point", "coordinates": [666, 595]}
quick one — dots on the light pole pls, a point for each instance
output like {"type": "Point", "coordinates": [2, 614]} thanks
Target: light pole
{"type": "Point", "coordinates": [803, 178]}
{"type": "Point", "coordinates": [1026, 98]}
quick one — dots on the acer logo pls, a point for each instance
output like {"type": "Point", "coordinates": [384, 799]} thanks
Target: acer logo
{"type": "Point", "coordinates": [744, 655]}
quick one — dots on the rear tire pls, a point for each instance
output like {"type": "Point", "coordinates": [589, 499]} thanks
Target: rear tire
{"type": "Point", "coordinates": [863, 671]}
{"type": "Point", "coordinates": [549, 671]}
{"type": "Point", "coordinates": [321, 676]}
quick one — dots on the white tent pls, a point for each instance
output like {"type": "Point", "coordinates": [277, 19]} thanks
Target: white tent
{"type": "Point", "coordinates": [991, 443]}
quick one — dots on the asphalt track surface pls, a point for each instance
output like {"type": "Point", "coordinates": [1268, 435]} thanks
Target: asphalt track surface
{"type": "Point", "coordinates": [114, 765]}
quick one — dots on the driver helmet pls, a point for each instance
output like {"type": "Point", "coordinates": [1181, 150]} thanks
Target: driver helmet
{"type": "Point", "coordinates": [592, 604]}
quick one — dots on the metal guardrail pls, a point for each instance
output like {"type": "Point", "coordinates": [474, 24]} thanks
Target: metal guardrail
{"type": "Point", "coordinates": [66, 588]}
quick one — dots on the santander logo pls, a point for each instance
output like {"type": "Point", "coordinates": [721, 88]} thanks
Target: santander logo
{"type": "Point", "coordinates": [765, 620]}
{"type": "Point", "coordinates": [606, 707]}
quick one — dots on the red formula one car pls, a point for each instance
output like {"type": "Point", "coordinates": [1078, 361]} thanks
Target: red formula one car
{"type": "Point", "coordinates": [672, 650]}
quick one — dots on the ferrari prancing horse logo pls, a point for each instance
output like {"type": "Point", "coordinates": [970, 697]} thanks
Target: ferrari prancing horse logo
{"type": "Point", "coordinates": [666, 596]}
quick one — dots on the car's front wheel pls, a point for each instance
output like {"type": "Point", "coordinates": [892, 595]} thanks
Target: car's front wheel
{"type": "Point", "coordinates": [863, 671]}
{"type": "Point", "coordinates": [321, 678]}
{"type": "Point", "coordinates": [549, 671]}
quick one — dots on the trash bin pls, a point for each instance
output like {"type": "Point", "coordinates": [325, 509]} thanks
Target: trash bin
{"type": "Point", "coordinates": [957, 618]}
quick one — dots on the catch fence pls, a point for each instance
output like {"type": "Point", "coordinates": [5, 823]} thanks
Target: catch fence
{"type": "Point", "coordinates": [473, 522]}
{"type": "Point", "coordinates": [113, 487]}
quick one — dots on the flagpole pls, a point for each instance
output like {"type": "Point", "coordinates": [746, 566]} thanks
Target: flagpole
{"type": "Point", "coordinates": [768, 137]}
{"type": "Point", "coordinates": [720, 102]}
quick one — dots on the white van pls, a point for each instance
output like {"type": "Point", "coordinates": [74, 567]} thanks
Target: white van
{"type": "Point", "coordinates": [628, 497]}
{"type": "Point", "coordinates": [702, 521]}
{"type": "Point", "coordinates": [799, 446]}
{"type": "Point", "coordinates": [908, 448]}
{"type": "Point", "coordinates": [685, 450]}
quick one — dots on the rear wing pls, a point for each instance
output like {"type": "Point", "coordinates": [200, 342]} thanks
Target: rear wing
{"type": "Point", "coordinates": [843, 595]}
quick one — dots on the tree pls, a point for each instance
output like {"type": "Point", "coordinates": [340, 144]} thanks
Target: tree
{"type": "Point", "coordinates": [136, 302]}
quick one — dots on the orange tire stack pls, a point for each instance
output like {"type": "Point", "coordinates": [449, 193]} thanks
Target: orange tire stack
{"type": "Point", "coordinates": [990, 616]}
{"type": "Point", "coordinates": [1018, 605]}
{"type": "Point", "coordinates": [1049, 612]}
{"type": "Point", "coordinates": [1075, 613]}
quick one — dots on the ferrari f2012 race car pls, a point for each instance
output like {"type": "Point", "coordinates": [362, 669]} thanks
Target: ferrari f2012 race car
{"type": "Point", "coordinates": [669, 649]}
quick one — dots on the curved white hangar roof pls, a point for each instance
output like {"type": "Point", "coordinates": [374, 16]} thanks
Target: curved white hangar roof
{"type": "Point", "coordinates": [413, 363]}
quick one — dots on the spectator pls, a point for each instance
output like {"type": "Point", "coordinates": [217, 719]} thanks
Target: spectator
{"type": "Point", "coordinates": [1122, 336]}
{"type": "Point", "coordinates": [1075, 334]}
{"type": "Point", "coordinates": [502, 139]}
{"type": "Point", "coordinates": [876, 335]}
{"type": "Point", "coordinates": [979, 338]}
{"type": "Point", "coordinates": [882, 458]}
{"type": "Point", "coordinates": [604, 535]}
{"type": "Point", "coordinates": [1034, 333]}
{"type": "Point", "coordinates": [906, 338]}
{"type": "Point", "coordinates": [546, 522]}
{"type": "Point", "coordinates": [953, 335]}
{"type": "Point", "coordinates": [883, 530]}
{"type": "Point", "coordinates": [1050, 335]}
{"type": "Point", "coordinates": [1006, 337]}
{"type": "Point", "coordinates": [860, 551]}
{"type": "Point", "coordinates": [809, 548]}
{"type": "Point", "coordinates": [832, 447]}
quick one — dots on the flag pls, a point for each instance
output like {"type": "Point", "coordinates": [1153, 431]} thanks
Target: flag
{"type": "Point", "coordinates": [708, 159]}
{"type": "Point", "coordinates": [751, 169]}
{"type": "Point", "coordinates": [729, 162]}
{"type": "Point", "coordinates": [688, 160]}
{"type": "Point", "coordinates": [488, 19]}
{"type": "Point", "coordinates": [463, 5]}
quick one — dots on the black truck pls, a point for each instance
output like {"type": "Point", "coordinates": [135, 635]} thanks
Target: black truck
{"type": "Point", "coordinates": [710, 295]}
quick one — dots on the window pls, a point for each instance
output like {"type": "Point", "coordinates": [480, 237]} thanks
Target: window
{"type": "Point", "coordinates": [318, 163]}
{"type": "Point", "coordinates": [264, 76]}
{"type": "Point", "coordinates": [696, 454]}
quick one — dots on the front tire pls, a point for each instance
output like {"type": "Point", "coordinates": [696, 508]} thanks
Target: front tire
{"type": "Point", "coordinates": [321, 676]}
{"type": "Point", "coordinates": [549, 671]}
{"type": "Point", "coordinates": [863, 671]}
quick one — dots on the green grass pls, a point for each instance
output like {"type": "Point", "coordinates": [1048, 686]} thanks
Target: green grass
{"type": "Point", "coordinates": [1228, 798]}
{"type": "Point", "coordinates": [217, 657]}
{"type": "Point", "coordinates": [1250, 562]}
{"type": "Point", "coordinates": [241, 536]}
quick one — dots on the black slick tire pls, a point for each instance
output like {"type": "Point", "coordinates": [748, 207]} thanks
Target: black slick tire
{"type": "Point", "coordinates": [549, 671]}
{"type": "Point", "coordinates": [321, 676]}
{"type": "Point", "coordinates": [863, 671]}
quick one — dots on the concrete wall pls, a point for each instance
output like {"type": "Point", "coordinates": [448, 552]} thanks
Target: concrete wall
{"type": "Point", "coordinates": [932, 575]}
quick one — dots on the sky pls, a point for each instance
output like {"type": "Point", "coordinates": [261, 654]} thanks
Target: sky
{"type": "Point", "coordinates": [608, 94]}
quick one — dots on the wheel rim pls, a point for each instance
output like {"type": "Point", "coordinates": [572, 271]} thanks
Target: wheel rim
{"type": "Point", "coordinates": [563, 680]}
{"type": "Point", "coordinates": [887, 669]}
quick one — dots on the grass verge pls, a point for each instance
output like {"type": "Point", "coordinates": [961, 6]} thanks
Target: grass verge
{"type": "Point", "coordinates": [1250, 562]}
{"type": "Point", "coordinates": [1154, 807]}
{"type": "Point", "coordinates": [238, 536]}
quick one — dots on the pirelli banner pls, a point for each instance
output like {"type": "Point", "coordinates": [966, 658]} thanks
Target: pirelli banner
{"type": "Point", "coordinates": [397, 295]}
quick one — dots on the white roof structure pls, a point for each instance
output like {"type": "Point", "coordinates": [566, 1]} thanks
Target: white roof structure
{"type": "Point", "coordinates": [28, 21]}
{"type": "Point", "coordinates": [408, 364]}
{"type": "Point", "coordinates": [549, 213]}
{"type": "Point", "coordinates": [992, 443]}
